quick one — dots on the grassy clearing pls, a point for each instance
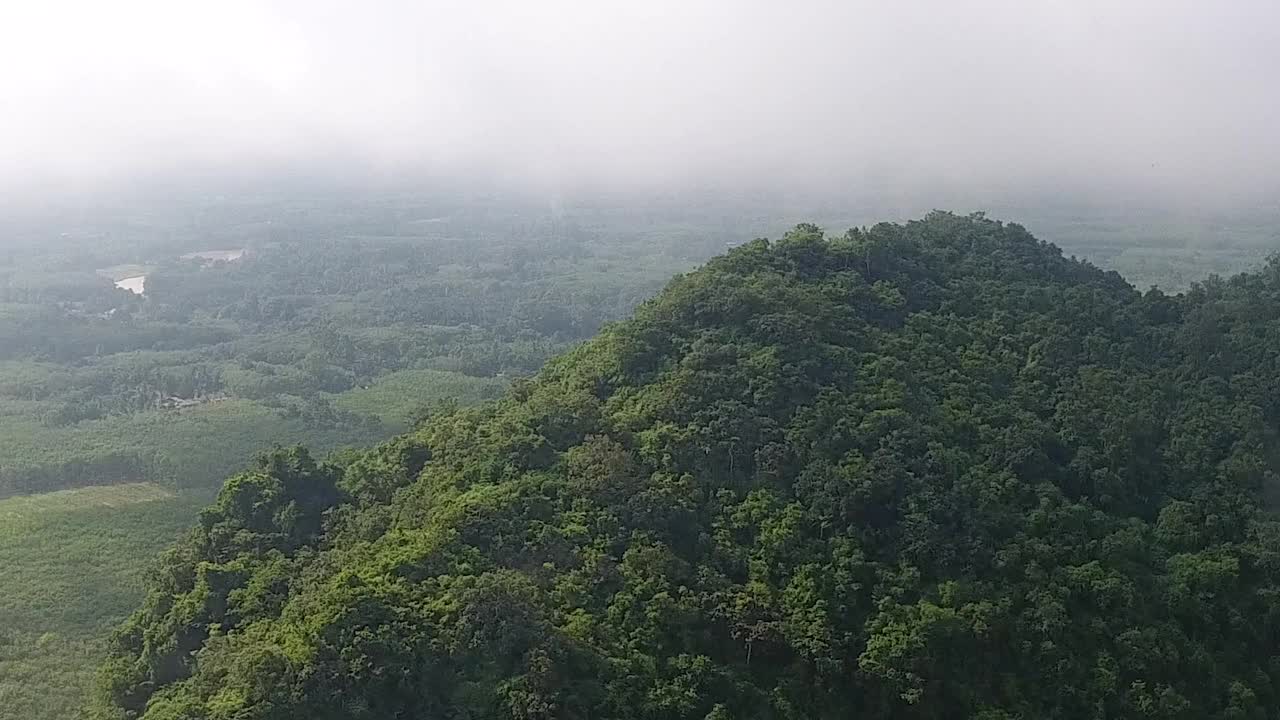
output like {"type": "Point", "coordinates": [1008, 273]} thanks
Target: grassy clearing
{"type": "Point", "coordinates": [395, 397]}
{"type": "Point", "coordinates": [72, 565]}
{"type": "Point", "coordinates": [55, 547]}
{"type": "Point", "coordinates": [17, 513]}
{"type": "Point", "coordinates": [197, 447]}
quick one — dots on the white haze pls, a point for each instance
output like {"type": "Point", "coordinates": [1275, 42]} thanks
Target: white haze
{"type": "Point", "coordinates": [1167, 98]}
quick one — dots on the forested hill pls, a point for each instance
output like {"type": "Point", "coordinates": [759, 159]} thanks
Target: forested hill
{"type": "Point", "coordinates": [932, 470]}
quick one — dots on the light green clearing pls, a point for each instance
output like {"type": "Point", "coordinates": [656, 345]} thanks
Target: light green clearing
{"type": "Point", "coordinates": [15, 510]}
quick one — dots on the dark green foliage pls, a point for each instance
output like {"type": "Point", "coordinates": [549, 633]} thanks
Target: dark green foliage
{"type": "Point", "coordinates": [931, 470]}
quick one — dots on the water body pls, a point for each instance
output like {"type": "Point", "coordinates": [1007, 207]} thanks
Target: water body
{"type": "Point", "coordinates": [136, 285]}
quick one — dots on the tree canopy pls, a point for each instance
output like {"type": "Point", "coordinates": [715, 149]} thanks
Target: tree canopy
{"type": "Point", "coordinates": [930, 470]}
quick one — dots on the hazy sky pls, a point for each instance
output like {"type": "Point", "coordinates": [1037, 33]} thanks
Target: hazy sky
{"type": "Point", "coordinates": [1159, 95]}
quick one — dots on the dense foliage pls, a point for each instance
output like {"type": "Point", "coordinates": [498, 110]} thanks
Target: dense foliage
{"type": "Point", "coordinates": [931, 470]}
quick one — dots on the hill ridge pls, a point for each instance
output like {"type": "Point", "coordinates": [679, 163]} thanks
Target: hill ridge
{"type": "Point", "coordinates": [915, 471]}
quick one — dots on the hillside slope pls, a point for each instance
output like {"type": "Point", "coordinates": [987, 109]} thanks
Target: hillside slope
{"type": "Point", "coordinates": [924, 471]}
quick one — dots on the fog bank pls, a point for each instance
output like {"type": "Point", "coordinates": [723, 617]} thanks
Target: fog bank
{"type": "Point", "coordinates": [1168, 99]}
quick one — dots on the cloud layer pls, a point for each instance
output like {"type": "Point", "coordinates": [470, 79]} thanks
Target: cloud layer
{"type": "Point", "coordinates": [1166, 96]}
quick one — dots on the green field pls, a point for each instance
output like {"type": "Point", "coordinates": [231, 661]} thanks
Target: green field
{"type": "Point", "coordinates": [394, 398]}
{"type": "Point", "coordinates": [192, 448]}
{"type": "Point", "coordinates": [72, 565]}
